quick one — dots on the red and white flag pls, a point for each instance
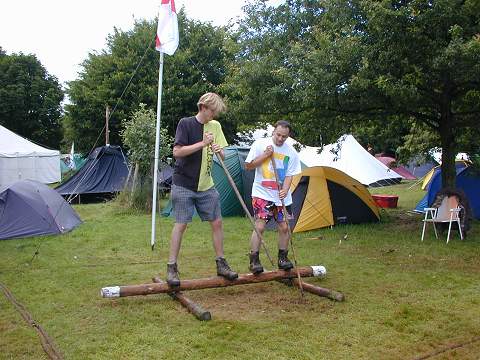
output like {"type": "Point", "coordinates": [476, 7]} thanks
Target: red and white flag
{"type": "Point", "coordinates": [167, 31]}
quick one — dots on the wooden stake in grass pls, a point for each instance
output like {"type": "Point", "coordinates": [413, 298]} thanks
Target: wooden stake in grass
{"type": "Point", "coordinates": [208, 283]}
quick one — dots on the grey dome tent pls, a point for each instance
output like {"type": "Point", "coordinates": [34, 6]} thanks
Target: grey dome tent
{"type": "Point", "coordinates": [29, 208]}
{"type": "Point", "coordinates": [105, 171]}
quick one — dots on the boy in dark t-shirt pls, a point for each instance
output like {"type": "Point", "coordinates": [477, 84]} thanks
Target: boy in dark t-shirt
{"type": "Point", "coordinates": [197, 138]}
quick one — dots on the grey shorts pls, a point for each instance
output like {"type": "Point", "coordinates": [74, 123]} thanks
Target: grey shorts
{"type": "Point", "coordinates": [184, 201]}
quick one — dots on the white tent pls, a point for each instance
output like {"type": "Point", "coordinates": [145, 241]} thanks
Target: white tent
{"type": "Point", "coordinates": [350, 157]}
{"type": "Point", "coordinates": [21, 159]}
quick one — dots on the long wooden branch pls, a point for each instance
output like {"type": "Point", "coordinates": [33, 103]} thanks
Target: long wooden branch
{"type": "Point", "coordinates": [199, 312]}
{"type": "Point", "coordinates": [207, 283]}
{"type": "Point", "coordinates": [317, 290]}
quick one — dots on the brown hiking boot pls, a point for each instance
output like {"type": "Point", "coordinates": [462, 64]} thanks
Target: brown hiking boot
{"type": "Point", "coordinates": [223, 269]}
{"type": "Point", "coordinates": [172, 275]}
{"type": "Point", "coordinates": [283, 262]}
{"type": "Point", "coordinates": [255, 265]}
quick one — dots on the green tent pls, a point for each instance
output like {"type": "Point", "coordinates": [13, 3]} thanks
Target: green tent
{"type": "Point", "coordinates": [234, 161]}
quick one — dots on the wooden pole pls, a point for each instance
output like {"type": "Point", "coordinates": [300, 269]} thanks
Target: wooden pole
{"type": "Point", "coordinates": [107, 131]}
{"type": "Point", "coordinates": [194, 308]}
{"type": "Point", "coordinates": [317, 290]}
{"type": "Point", "coordinates": [285, 214]}
{"type": "Point", "coordinates": [244, 206]}
{"type": "Point", "coordinates": [208, 283]}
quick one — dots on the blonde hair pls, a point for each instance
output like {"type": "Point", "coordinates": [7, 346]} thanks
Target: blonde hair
{"type": "Point", "coordinates": [212, 101]}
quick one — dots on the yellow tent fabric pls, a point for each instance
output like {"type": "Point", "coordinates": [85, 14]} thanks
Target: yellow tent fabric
{"type": "Point", "coordinates": [316, 209]}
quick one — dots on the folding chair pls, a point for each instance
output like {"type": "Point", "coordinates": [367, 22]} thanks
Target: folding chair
{"type": "Point", "coordinates": [449, 211]}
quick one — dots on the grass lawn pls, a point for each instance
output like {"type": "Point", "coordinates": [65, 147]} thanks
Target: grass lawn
{"type": "Point", "coordinates": [404, 298]}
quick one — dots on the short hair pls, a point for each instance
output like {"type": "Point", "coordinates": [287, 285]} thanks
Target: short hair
{"type": "Point", "coordinates": [212, 101]}
{"type": "Point", "coordinates": [285, 124]}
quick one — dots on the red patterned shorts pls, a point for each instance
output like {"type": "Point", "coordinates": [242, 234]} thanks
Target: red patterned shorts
{"type": "Point", "coordinates": [267, 210]}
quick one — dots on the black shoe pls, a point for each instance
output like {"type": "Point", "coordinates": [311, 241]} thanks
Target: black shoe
{"type": "Point", "coordinates": [255, 265]}
{"type": "Point", "coordinates": [172, 275]}
{"type": "Point", "coordinates": [283, 262]}
{"type": "Point", "coordinates": [223, 269]}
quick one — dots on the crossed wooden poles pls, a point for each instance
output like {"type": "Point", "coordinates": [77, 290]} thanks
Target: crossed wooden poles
{"type": "Point", "coordinates": [290, 278]}
{"type": "Point", "coordinates": [160, 287]}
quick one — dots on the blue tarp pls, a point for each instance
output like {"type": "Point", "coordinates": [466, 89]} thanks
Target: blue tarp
{"type": "Point", "coordinates": [29, 208]}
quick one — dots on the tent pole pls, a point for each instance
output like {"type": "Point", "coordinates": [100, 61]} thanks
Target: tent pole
{"type": "Point", "coordinates": [285, 214]}
{"type": "Point", "coordinates": [107, 131]}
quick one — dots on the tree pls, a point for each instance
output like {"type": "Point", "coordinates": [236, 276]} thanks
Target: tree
{"type": "Point", "coordinates": [348, 62]}
{"type": "Point", "coordinates": [138, 136]}
{"type": "Point", "coordinates": [196, 67]}
{"type": "Point", "coordinates": [30, 99]}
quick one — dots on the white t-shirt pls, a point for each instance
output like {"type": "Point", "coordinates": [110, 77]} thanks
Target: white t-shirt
{"type": "Point", "coordinates": [287, 163]}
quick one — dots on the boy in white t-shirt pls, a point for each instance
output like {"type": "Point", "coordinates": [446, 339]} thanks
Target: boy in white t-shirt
{"type": "Point", "coordinates": [266, 197]}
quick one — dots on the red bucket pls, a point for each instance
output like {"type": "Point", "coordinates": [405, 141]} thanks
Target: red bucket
{"type": "Point", "coordinates": [386, 201]}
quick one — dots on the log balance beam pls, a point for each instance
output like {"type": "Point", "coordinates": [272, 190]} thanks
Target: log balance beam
{"type": "Point", "coordinates": [217, 281]}
{"type": "Point", "coordinates": [196, 309]}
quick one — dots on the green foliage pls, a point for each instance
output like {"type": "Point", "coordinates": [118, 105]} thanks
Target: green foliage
{"type": "Point", "coordinates": [30, 99]}
{"type": "Point", "coordinates": [333, 66]}
{"type": "Point", "coordinates": [138, 135]}
{"type": "Point", "coordinates": [197, 66]}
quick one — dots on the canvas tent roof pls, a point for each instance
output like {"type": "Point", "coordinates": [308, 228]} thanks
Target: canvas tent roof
{"type": "Point", "coordinates": [29, 208]}
{"type": "Point", "coordinates": [22, 159]}
{"type": "Point", "coordinates": [105, 171]}
{"type": "Point", "coordinates": [350, 157]}
{"type": "Point", "coordinates": [391, 163]}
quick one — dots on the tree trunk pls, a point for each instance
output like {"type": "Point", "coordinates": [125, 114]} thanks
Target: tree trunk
{"type": "Point", "coordinates": [447, 139]}
{"type": "Point", "coordinates": [135, 177]}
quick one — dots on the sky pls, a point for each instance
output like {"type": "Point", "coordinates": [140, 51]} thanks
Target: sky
{"type": "Point", "coordinates": [61, 33]}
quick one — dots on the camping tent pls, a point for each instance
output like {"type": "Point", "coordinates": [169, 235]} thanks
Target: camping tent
{"type": "Point", "coordinates": [21, 159]}
{"type": "Point", "coordinates": [29, 208]}
{"type": "Point", "coordinates": [459, 164]}
{"type": "Point", "coordinates": [419, 167]}
{"type": "Point", "coordinates": [324, 196]}
{"type": "Point", "coordinates": [105, 171]}
{"type": "Point", "coordinates": [234, 161]}
{"type": "Point", "coordinates": [349, 156]}
{"type": "Point", "coordinates": [391, 163]}
{"type": "Point", "coordinates": [467, 179]}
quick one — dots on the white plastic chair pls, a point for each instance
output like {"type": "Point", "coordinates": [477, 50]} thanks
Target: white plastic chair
{"type": "Point", "coordinates": [449, 211]}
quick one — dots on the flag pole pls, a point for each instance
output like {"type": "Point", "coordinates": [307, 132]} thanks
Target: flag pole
{"type": "Point", "coordinates": [157, 149]}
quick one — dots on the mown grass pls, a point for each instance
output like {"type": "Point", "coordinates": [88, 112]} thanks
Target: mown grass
{"type": "Point", "coordinates": [404, 298]}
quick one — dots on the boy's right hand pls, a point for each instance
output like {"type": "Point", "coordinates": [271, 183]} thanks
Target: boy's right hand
{"type": "Point", "coordinates": [207, 138]}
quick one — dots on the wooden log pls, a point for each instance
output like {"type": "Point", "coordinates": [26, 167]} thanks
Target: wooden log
{"type": "Point", "coordinates": [206, 283]}
{"type": "Point", "coordinates": [317, 290]}
{"type": "Point", "coordinates": [190, 305]}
